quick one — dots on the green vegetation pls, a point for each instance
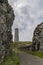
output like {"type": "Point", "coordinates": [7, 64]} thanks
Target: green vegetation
{"type": "Point", "coordinates": [21, 43]}
{"type": "Point", "coordinates": [17, 45]}
{"type": "Point", "coordinates": [11, 60]}
{"type": "Point", "coordinates": [36, 53]}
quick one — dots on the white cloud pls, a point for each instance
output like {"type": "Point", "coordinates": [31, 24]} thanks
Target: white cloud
{"type": "Point", "coordinates": [28, 13]}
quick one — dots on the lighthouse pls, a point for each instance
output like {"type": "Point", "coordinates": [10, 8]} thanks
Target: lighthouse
{"type": "Point", "coordinates": [16, 39]}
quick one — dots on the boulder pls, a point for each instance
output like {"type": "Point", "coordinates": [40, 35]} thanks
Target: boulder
{"type": "Point", "coordinates": [37, 40]}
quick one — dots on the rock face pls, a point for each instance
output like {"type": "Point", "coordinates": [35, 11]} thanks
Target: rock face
{"type": "Point", "coordinates": [37, 41]}
{"type": "Point", "coordinates": [6, 20]}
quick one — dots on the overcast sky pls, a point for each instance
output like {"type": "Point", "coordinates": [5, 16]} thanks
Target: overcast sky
{"type": "Point", "coordinates": [28, 14]}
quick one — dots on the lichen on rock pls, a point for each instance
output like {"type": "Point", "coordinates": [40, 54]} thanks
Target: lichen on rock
{"type": "Point", "coordinates": [37, 40]}
{"type": "Point", "coordinates": [6, 21]}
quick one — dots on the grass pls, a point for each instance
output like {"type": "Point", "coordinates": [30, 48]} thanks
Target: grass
{"type": "Point", "coordinates": [11, 60]}
{"type": "Point", "coordinates": [36, 53]}
{"type": "Point", "coordinates": [16, 45]}
{"type": "Point", "coordinates": [21, 43]}
{"type": "Point", "coordinates": [14, 60]}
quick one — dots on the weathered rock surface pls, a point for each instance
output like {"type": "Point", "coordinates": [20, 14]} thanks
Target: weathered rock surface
{"type": "Point", "coordinates": [37, 41]}
{"type": "Point", "coordinates": [6, 21]}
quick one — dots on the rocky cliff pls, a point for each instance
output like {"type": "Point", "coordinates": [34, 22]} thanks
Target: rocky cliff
{"type": "Point", "coordinates": [6, 20]}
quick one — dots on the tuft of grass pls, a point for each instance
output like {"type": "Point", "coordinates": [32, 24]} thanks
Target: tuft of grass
{"type": "Point", "coordinates": [36, 53]}
{"type": "Point", "coordinates": [11, 60]}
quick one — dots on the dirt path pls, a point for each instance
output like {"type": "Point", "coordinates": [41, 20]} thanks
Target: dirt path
{"type": "Point", "coordinates": [27, 59]}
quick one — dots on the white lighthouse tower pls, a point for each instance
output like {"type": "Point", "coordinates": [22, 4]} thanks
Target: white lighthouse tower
{"type": "Point", "coordinates": [16, 39]}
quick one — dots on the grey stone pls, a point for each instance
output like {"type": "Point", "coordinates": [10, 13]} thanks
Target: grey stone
{"type": "Point", "coordinates": [6, 21]}
{"type": "Point", "coordinates": [3, 1]}
{"type": "Point", "coordinates": [37, 40]}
